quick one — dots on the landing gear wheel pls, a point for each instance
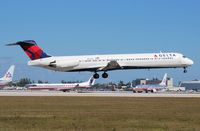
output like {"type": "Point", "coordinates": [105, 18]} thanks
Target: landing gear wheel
{"type": "Point", "coordinates": [185, 70]}
{"type": "Point", "coordinates": [96, 76]}
{"type": "Point", "coordinates": [105, 75]}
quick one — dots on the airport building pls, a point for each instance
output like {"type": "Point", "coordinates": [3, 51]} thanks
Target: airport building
{"type": "Point", "coordinates": [152, 82]}
{"type": "Point", "coordinates": [191, 85]}
{"type": "Point", "coordinates": [145, 81]}
{"type": "Point", "coordinates": [170, 82]}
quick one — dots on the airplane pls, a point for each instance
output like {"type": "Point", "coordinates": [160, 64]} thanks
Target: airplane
{"type": "Point", "coordinates": [152, 87]}
{"type": "Point", "coordinates": [97, 63]}
{"type": "Point", "coordinates": [61, 87]}
{"type": "Point", "coordinates": [7, 78]}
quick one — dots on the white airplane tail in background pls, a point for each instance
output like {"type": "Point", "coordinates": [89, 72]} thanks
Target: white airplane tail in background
{"type": "Point", "coordinates": [88, 83]}
{"type": "Point", "coordinates": [91, 81]}
{"type": "Point", "coordinates": [9, 74]}
{"type": "Point", "coordinates": [164, 81]}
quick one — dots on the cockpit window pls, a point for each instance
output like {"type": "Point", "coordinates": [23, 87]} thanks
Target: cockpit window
{"type": "Point", "coordinates": [184, 56]}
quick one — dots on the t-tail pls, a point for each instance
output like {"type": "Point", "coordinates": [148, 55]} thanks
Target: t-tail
{"type": "Point", "coordinates": [9, 74]}
{"type": "Point", "coordinates": [164, 81]}
{"type": "Point", "coordinates": [30, 47]}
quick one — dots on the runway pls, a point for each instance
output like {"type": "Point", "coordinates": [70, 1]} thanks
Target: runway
{"type": "Point", "coordinates": [95, 94]}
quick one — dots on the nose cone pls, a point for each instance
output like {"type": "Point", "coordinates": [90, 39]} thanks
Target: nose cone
{"type": "Point", "coordinates": [189, 62]}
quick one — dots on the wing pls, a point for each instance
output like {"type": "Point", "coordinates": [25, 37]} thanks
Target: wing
{"type": "Point", "coordinates": [112, 65]}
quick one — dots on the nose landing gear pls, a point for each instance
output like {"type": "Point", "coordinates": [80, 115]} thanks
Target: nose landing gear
{"type": "Point", "coordinates": [184, 70]}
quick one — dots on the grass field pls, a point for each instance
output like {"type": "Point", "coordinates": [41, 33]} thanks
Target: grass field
{"type": "Point", "coordinates": [99, 114]}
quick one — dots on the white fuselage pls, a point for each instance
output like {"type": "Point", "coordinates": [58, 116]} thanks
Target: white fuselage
{"type": "Point", "coordinates": [3, 83]}
{"type": "Point", "coordinates": [125, 61]}
{"type": "Point", "coordinates": [59, 87]}
{"type": "Point", "coordinates": [141, 88]}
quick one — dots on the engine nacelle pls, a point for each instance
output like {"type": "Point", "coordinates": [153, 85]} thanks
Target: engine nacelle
{"type": "Point", "coordinates": [64, 64]}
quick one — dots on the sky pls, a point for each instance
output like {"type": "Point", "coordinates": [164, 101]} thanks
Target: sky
{"type": "Point", "coordinates": [100, 27]}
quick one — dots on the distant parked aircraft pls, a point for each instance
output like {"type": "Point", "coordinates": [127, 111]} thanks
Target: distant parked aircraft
{"type": "Point", "coordinates": [152, 87]}
{"type": "Point", "coordinates": [7, 78]}
{"type": "Point", "coordinates": [96, 63]}
{"type": "Point", "coordinates": [62, 87]}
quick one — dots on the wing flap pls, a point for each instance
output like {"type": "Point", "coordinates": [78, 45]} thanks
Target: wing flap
{"type": "Point", "coordinates": [112, 65]}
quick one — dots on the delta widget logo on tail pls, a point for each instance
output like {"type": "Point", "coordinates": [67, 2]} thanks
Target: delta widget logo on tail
{"type": "Point", "coordinates": [31, 49]}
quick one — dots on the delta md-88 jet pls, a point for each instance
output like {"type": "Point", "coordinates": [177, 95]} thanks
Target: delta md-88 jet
{"type": "Point", "coordinates": [97, 63]}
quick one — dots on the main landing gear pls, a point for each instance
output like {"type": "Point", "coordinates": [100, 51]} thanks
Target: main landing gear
{"type": "Point", "coordinates": [184, 70]}
{"type": "Point", "coordinates": [104, 75]}
{"type": "Point", "coordinates": [96, 76]}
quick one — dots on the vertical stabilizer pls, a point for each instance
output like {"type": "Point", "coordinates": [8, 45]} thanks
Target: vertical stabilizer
{"type": "Point", "coordinates": [9, 74]}
{"type": "Point", "coordinates": [32, 50]}
{"type": "Point", "coordinates": [91, 81]}
{"type": "Point", "coordinates": [164, 81]}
